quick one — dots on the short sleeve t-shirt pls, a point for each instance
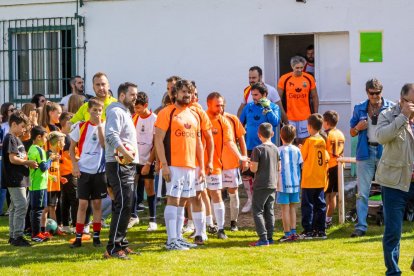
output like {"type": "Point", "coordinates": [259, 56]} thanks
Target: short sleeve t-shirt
{"type": "Point", "coordinates": [291, 162]}
{"type": "Point", "coordinates": [13, 145]}
{"type": "Point", "coordinates": [145, 136]}
{"type": "Point", "coordinates": [230, 160]}
{"type": "Point", "coordinates": [315, 162]}
{"type": "Point", "coordinates": [335, 146]}
{"type": "Point", "coordinates": [83, 114]}
{"type": "Point", "coordinates": [53, 183]}
{"type": "Point", "coordinates": [38, 179]}
{"type": "Point", "coordinates": [266, 176]}
{"type": "Point", "coordinates": [182, 127]}
{"type": "Point", "coordinates": [91, 153]}
{"type": "Point", "coordinates": [221, 135]}
{"type": "Point", "coordinates": [297, 95]}
{"type": "Point", "coordinates": [205, 123]}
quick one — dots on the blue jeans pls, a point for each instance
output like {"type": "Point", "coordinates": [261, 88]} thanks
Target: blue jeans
{"type": "Point", "coordinates": [394, 202]}
{"type": "Point", "coordinates": [365, 173]}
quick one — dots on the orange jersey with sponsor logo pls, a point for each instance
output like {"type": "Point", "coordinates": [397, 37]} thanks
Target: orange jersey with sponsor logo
{"type": "Point", "coordinates": [182, 127]}
{"type": "Point", "coordinates": [53, 182]}
{"type": "Point", "coordinates": [230, 160]}
{"type": "Point", "coordinates": [296, 95]}
{"type": "Point", "coordinates": [221, 135]}
{"type": "Point", "coordinates": [334, 145]}
{"type": "Point", "coordinates": [315, 162]}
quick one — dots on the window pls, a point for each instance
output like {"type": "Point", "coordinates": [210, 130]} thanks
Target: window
{"type": "Point", "coordinates": [41, 57]}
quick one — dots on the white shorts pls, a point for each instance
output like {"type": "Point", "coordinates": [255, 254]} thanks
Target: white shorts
{"type": "Point", "coordinates": [301, 128]}
{"type": "Point", "coordinates": [199, 187]}
{"type": "Point", "coordinates": [182, 182]}
{"type": "Point", "coordinates": [231, 178]}
{"type": "Point", "coordinates": [214, 182]}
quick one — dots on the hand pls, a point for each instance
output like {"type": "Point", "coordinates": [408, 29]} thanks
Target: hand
{"type": "Point", "coordinates": [201, 176]}
{"type": "Point", "coordinates": [157, 167]}
{"type": "Point", "coordinates": [209, 168]}
{"type": "Point", "coordinates": [166, 174]}
{"type": "Point", "coordinates": [362, 125]}
{"type": "Point", "coordinates": [75, 170]}
{"type": "Point", "coordinates": [54, 156]}
{"type": "Point", "coordinates": [244, 158]}
{"type": "Point", "coordinates": [407, 108]}
{"type": "Point", "coordinates": [129, 156]}
{"type": "Point", "coordinates": [145, 169]}
{"type": "Point", "coordinates": [245, 166]}
{"type": "Point", "coordinates": [31, 164]}
{"type": "Point", "coordinates": [264, 102]}
{"type": "Point", "coordinates": [63, 180]}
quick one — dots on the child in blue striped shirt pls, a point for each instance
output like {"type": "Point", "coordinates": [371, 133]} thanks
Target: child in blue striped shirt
{"type": "Point", "coordinates": [288, 187]}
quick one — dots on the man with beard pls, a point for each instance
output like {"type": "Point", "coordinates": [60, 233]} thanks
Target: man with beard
{"type": "Point", "coordinates": [299, 97]}
{"type": "Point", "coordinates": [178, 145]}
{"type": "Point", "coordinates": [76, 85]}
{"type": "Point", "coordinates": [121, 140]}
{"type": "Point", "coordinates": [310, 60]}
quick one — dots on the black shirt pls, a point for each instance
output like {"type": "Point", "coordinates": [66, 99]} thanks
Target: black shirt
{"type": "Point", "coordinates": [13, 175]}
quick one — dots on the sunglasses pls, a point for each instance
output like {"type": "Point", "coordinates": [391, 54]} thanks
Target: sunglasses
{"type": "Point", "coordinates": [374, 93]}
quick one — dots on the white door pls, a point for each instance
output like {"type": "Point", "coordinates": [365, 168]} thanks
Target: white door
{"type": "Point", "coordinates": [331, 71]}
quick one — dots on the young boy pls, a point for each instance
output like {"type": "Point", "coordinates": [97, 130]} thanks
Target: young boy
{"type": "Point", "coordinates": [289, 182]}
{"type": "Point", "coordinates": [15, 163]}
{"type": "Point", "coordinates": [265, 164]}
{"type": "Point", "coordinates": [144, 121]}
{"type": "Point", "coordinates": [56, 143]}
{"type": "Point", "coordinates": [335, 146]}
{"type": "Point", "coordinates": [38, 180]}
{"type": "Point", "coordinates": [89, 138]}
{"type": "Point", "coordinates": [314, 175]}
{"type": "Point", "coordinates": [69, 206]}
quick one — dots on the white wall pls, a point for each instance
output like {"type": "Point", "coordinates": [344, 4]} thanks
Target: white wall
{"type": "Point", "coordinates": [214, 42]}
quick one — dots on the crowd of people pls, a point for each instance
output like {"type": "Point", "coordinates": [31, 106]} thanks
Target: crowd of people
{"type": "Point", "coordinates": [69, 161]}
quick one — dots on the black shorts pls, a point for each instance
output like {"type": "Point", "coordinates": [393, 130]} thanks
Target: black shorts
{"type": "Point", "coordinates": [53, 198]}
{"type": "Point", "coordinates": [248, 172]}
{"type": "Point", "coordinates": [332, 180]}
{"type": "Point", "coordinates": [91, 186]}
{"type": "Point", "coordinates": [150, 175]}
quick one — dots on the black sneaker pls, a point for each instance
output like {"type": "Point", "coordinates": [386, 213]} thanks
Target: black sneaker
{"type": "Point", "coordinates": [221, 235]}
{"type": "Point", "coordinates": [118, 255]}
{"type": "Point", "coordinates": [198, 240]}
{"type": "Point", "coordinates": [212, 229]}
{"type": "Point", "coordinates": [77, 243]}
{"type": "Point", "coordinates": [233, 226]}
{"type": "Point", "coordinates": [357, 233]}
{"type": "Point", "coordinates": [306, 235]}
{"type": "Point", "coordinates": [10, 241]}
{"type": "Point", "coordinates": [321, 235]}
{"type": "Point", "coordinates": [97, 242]}
{"type": "Point", "coordinates": [21, 242]}
{"type": "Point", "coordinates": [284, 239]}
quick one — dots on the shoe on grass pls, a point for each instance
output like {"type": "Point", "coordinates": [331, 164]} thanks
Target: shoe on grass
{"type": "Point", "coordinates": [306, 235]}
{"type": "Point", "coordinates": [357, 233]}
{"type": "Point", "coordinates": [198, 240]}
{"type": "Point", "coordinates": [152, 226]}
{"type": "Point", "coordinates": [129, 251]}
{"type": "Point", "coordinates": [21, 242]}
{"type": "Point", "coordinates": [212, 229]}
{"type": "Point", "coordinates": [233, 226]}
{"type": "Point", "coordinates": [221, 235]}
{"type": "Point", "coordinates": [175, 245]}
{"type": "Point", "coordinates": [321, 235]}
{"type": "Point", "coordinates": [76, 244]}
{"type": "Point", "coordinates": [39, 238]}
{"type": "Point", "coordinates": [117, 255]}
{"type": "Point", "coordinates": [259, 243]}
{"type": "Point", "coordinates": [132, 222]}
{"type": "Point", "coordinates": [97, 242]}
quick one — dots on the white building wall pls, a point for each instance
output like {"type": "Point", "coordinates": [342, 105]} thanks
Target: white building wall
{"type": "Point", "coordinates": [214, 42]}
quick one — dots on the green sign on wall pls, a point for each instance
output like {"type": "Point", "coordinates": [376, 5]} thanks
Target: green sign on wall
{"type": "Point", "coordinates": [371, 47]}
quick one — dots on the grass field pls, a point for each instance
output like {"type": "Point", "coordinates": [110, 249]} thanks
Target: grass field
{"type": "Point", "coordinates": [338, 255]}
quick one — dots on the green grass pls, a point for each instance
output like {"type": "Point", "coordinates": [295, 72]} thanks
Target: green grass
{"type": "Point", "coordinates": [338, 255]}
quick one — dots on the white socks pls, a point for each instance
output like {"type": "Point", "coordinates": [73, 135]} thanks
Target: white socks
{"type": "Point", "coordinates": [198, 222]}
{"type": "Point", "coordinates": [209, 220]}
{"type": "Point", "coordinates": [180, 221]}
{"type": "Point", "coordinates": [234, 206]}
{"type": "Point", "coordinates": [219, 212]}
{"type": "Point", "coordinates": [170, 216]}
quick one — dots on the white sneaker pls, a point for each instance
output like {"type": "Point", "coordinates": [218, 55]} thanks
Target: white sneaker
{"type": "Point", "coordinates": [247, 207]}
{"type": "Point", "coordinates": [132, 222]}
{"type": "Point", "coordinates": [184, 243]}
{"type": "Point", "coordinates": [152, 226]}
{"type": "Point", "coordinates": [67, 229]}
{"type": "Point", "coordinates": [86, 229]}
{"type": "Point", "coordinates": [187, 229]}
{"type": "Point", "coordinates": [175, 245]}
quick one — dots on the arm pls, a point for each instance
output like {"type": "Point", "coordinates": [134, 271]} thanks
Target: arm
{"type": "Point", "coordinates": [282, 110]}
{"type": "Point", "coordinates": [15, 160]}
{"type": "Point", "coordinates": [315, 100]}
{"type": "Point", "coordinates": [112, 126]}
{"type": "Point", "coordinates": [72, 153]}
{"type": "Point", "coordinates": [159, 147]}
{"type": "Point", "coordinates": [273, 117]}
{"type": "Point", "coordinates": [243, 149]}
{"type": "Point", "coordinates": [146, 168]}
{"type": "Point", "coordinates": [200, 158]}
{"type": "Point", "coordinates": [388, 131]}
{"type": "Point", "coordinates": [232, 146]}
{"type": "Point", "coordinates": [208, 135]}
{"type": "Point", "coordinates": [239, 111]}
{"type": "Point", "coordinates": [254, 166]}
{"type": "Point", "coordinates": [101, 135]}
